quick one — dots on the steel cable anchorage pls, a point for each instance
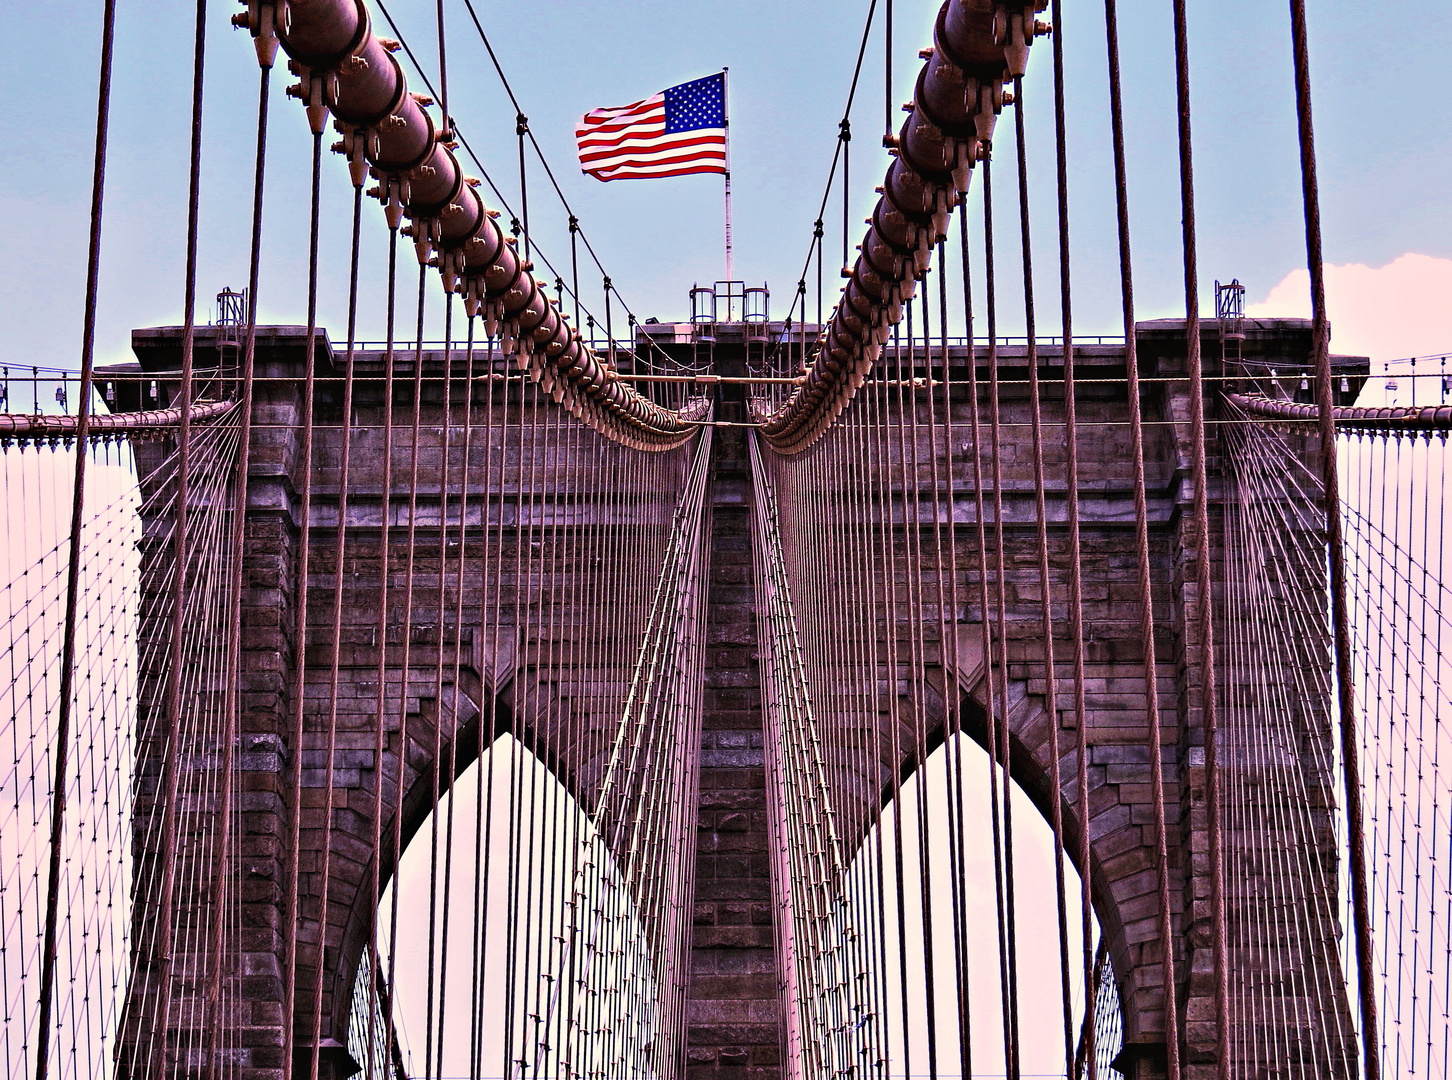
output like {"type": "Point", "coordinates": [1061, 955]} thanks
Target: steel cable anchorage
{"type": "Point", "coordinates": [978, 46]}
{"type": "Point", "coordinates": [347, 71]}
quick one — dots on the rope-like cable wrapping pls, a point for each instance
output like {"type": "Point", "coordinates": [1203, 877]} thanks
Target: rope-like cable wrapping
{"type": "Point", "coordinates": [1356, 417]}
{"type": "Point", "coordinates": [978, 45]}
{"type": "Point", "coordinates": [348, 71]}
{"type": "Point", "coordinates": [30, 426]}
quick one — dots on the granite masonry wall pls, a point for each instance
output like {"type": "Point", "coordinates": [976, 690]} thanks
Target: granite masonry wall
{"type": "Point", "coordinates": [734, 1015]}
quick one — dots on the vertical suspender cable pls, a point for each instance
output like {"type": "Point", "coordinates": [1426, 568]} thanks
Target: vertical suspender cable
{"type": "Point", "coordinates": [380, 736]}
{"type": "Point", "coordinates": [300, 640]}
{"type": "Point", "coordinates": [609, 322]}
{"type": "Point", "coordinates": [336, 635]}
{"type": "Point", "coordinates": [396, 848]}
{"type": "Point", "coordinates": [845, 134]}
{"type": "Point", "coordinates": [490, 616]}
{"type": "Point", "coordinates": [954, 686]}
{"type": "Point", "coordinates": [801, 332]}
{"type": "Point", "coordinates": [964, 688]}
{"type": "Point", "coordinates": [1076, 568]}
{"type": "Point", "coordinates": [511, 871]}
{"type": "Point", "coordinates": [171, 762]}
{"type": "Point", "coordinates": [887, 69]}
{"type": "Point", "coordinates": [1051, 705]}
{"type": "Point", "coordinates": [1201, 513]}
{"type": "Point", "coordinates": [575, 266]}
{"type": "Point", "coordinates": [565, 733]}
{"type": "Point", "coordinates": [1008, 929]}
{"type": "Point", "coordinates": [231, 702]}
{"type": "Point", "coordinates": [1341, 634]}
{"type": "Point", "coordinates": [435, 778]}
{"type": "Point", "coordinates": [1141, 518]}
{"type": "Point", "coordinates": [447, 132]}
{"type": "Point", "coordinates": [817, 233]}
{"type": "Point", "coordinates": [917, 656]}
{"type": "Point", "coordinates": [73, 566]}
{"type": "Point", "coordinates": [888, 560]}
{"type": "Point", "coordinates": [443, 562]}
{"type": "Point", "coordinates": [486, 699]}
{"type": "Point", "coordinates": [986, 628]}
{"type": "Point", "coordinates": [521, 129]}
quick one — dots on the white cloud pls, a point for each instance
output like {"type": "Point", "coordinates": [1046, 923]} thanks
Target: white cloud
{"type": "Point", "coordinates": [1390, 312]}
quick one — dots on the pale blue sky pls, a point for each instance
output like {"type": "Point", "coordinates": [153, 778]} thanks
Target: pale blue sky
{"type": "Point", "coordinates": [1382, 86]}
{"type": "Point", "coordinates": [1382, 82]}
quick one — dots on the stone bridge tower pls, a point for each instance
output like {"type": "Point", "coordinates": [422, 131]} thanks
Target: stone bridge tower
{"type": "Point", "coordinates": [735, 1014]}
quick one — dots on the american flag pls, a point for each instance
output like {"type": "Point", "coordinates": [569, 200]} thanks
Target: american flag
{"type": "Point", "coordinates": [679, 131]}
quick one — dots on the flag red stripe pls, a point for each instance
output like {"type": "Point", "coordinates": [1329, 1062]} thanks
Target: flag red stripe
{"type": "Point", "coordinates": [654, 123]}
{"type": "Point", "coordinates": [703, 161]}
{"type": "Point", "coordinates": [715, 156]}
{"type": "Point", "coordinates": [618, 123]}
{"type": "Point", "coordinates": [654, 130]}
{"type": "Point", "coordinates": [625, 174]}
{"type": "Point", "coordinates": [647, 105]}
{"type": "Point", "coordinates": [652, 154]}
{"type": "Point", "coordinates": [590, 154]}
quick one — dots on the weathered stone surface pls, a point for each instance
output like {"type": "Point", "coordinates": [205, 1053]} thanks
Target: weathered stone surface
{"type": "Point", "coordinates": [734, 1014]}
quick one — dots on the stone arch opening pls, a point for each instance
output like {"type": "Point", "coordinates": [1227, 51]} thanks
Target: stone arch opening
{"type": "Point", "coordinates": [456, 706]}
{"type": "Point", "coordinates": [520, 841]}
{"type": "Point", "coordinates": [1030, 772]}
{"type": "Point", "coordinates": [518, 717]}
{"type": "Point", "coordinates": [929, 856]}
{"type": "Point", "coordinates": [1115, 871]}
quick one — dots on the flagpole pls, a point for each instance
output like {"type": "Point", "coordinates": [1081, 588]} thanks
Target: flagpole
{"type": "Point", "coordinates": [726, 123]}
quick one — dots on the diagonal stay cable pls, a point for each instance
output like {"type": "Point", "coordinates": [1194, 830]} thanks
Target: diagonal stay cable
{"type": "Point", "coordinates": [479, 164]}
{"type": "Point", "coordinates": [836, 153]}
{"type": "Point", "coordinates": [576, 228]}
{"type": "Point", "coordinates": [539, 152]}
